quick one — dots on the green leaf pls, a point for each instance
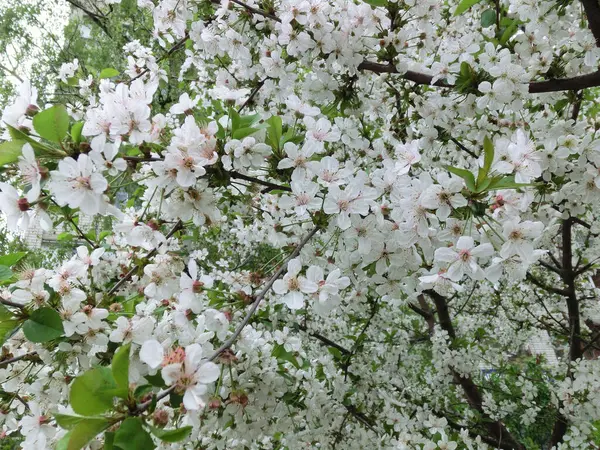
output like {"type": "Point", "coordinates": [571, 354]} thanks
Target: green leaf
{"type": "Point", "coordinates": [63, 444]}
{"type": "Point", "coordinates": [465, 175]}
{"type": "Point", "coordinates": [241, 133]}
{"type": "Point", "coordinates": [176, 435]}
{"type": "Point", "coordinates": [108, 73]}
{"type": "Point", "coordinates": [67, 421]}
{"type": "Point", "coordinates": [10, 152]}
{"type": "Point", "coordinates": [483, 185]}
{"type": "Point", "coordinates": [5, 273]}
{"type": "Point", "coordinates": [76, 132]}
{"type": "Point", "coordinates": [41, 149]}
{"type": "Point", "coordinates": [376, 2]}
{"type": "Point", "coordinates": [132, 436]}
{"type": "Point", "coordinates": [92, 392]}
{"type": "Point", "coordinates": [120, 367]}
{"type": "Point", "coordinates": [274, 131]}
{"type": "Point", "coordinates": [282, 354]}
{"type": "Point", "coordinates": [7, 323]}
{"type": "Point", "coordinates": [235, 119]}
{"type": "Point", "coordinates": [488, 159]}
{"type": "Point", "coordinates": [64, 236]}
{"type": "Point", "coordinates": [488, 18]}
{"type": "Point", "coordinates": [509, 31]}
{"type": "Point", "coordinates": [248, 121]}
{"type": "Point", "coordinates": [43, 325]}
{"type": "Point", "coordinates": [142, 390]}
{"type": "Point", "coordinates": [109, 440]}
{"type": "Point", "coordinates": [52, 124]}
{"type": "Point", "coordinates": [156, 380]}
{"type": "Point", "coordinates": [507, 182]}
{"type": "Point", "coordinates": [464, 5]}
{"type": "Point", "coordinates": [85, 431]}
{"type": "Point", "coordinates": [12, 258]}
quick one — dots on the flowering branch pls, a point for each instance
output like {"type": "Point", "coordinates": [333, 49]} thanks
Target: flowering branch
{"type": "Point", "coordinates": [535, 87]}
{"type": "Point", "coordinates": [178, 225]}
{"type": "Point", "coordinates": [229, 342]}
{"type": "Point", "coordinates": [575, 343]}
{"type": "Point", "coordinates": [13, 304]}
{"type": "Point", "coordinates": [496, 428]}
{"type": "Point", "coordinates": [29, 355]}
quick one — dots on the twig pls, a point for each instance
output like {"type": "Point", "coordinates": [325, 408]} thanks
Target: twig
{"type": "Point", "coordinates": [535, 87]}
{"type": "Point", "coordinates": [229, 342]}
{"type": "Point", "coordinates": [268, 184]}
{"type": "Point", "coordinates": [252, 95]}
{"type": "Point", "coordinates": [129, 274]}
{"type": "Point", "coordinates": [13, 304]}
{"type": "Point", "coordinates": [6, 362]}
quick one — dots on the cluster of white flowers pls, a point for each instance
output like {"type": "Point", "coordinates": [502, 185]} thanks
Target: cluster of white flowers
{"type": "Point", "coordinates": [353, 209]}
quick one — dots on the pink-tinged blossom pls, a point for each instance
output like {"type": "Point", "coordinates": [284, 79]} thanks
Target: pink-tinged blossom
{"type": "Point", "coordinates": [186, 369]}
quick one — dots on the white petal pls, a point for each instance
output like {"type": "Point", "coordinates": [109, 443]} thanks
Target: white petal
{"type": "Point", "coordinates": [152, 353]}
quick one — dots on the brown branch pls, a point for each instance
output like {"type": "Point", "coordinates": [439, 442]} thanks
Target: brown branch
{"type": "Point", "coordinates": [592, 11]}
{"type": "Point", "coordinates": [566, 84]}
{"type": "Point", "coordinates": [268, 184]}
{"type": "Point", "coordinates": [416, 77]}
{"type": "Point", "coordinates": [93, 17]}
{"type": "Point", "coordinates": [541, 285]}
{"type": "Point", "coordinates": [179, 44]}
{"type": "Point", "coordinates": [257, 11]}
{"type": "Point", "coordinates": [229, 342]}
{"type": "Point", "coordinates": [535, 87]}
{"type": "Point", "coordinates": [13, 304]}
{"type": "Point", "coordinates": [252, 95]}
{"type": "Point", "coordinates": [178, 225]}
{"type": "Point", "coordinates": [325, 340]}
{"type": "Point", "coordinates": [8, 361]}
{"type": "Point", "coordinates": [575, 342]}
{"type": "Point", "coordinates": [496, 429]}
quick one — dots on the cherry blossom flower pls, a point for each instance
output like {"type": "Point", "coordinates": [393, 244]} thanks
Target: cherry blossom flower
{"type": "Point", "coordinates": [78, 185]}
{"type": "Point", "coordinates": [293, 286]}
{"type": "Point", "coordinates": [463, 260]}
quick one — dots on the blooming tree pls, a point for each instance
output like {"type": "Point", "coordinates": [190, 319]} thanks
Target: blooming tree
{"type": "Point", "coordinates": [346, 212]}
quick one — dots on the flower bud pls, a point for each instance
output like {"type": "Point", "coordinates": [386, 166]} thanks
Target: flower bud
{"type": "Point", "coordinates": [239, 398]}
{"type": "Point", "coordinates": [23, 204]}
{"type": "Point", "coordinates": [160, 418]}
{"type": "Point", "coordinates": [84, 147]}
{"type": "Point", "coordinates": [32, 110]}
{"type": "Point", "coordinates": [214, 403]}
{"type": "Point", "coordinates": [115, 307]}
{"type": "Point", "coordinates": [228, 357]}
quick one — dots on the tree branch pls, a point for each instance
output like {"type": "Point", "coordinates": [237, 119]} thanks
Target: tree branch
{"type": "Point", "coordinates": [575, 342]}
{"type": "Point", "coordinates": [93, 16]}
{"type": "Point", "coordinates": [229, 342]}
{"type": "Point", "coordinates": [252, 95]}
{"type": "Point", "coordinates": [541, 285]}
{"type": "Point", "coordinates": [29, 355]}
{"type": "Point", "coordinates": [496, 429]}
{"type": "Point", "coordinates": [178, 225]}
{"type": "Point", "coordinates": [592, 11]}
{"type": "Point", "coordinates": [268, 184]}
{"type": "Point", "coordinates": [535, 87]}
